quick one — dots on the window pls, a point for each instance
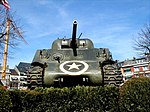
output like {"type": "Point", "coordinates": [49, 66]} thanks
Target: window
{"type": "Point", "coordinates": [136, 69]}
{"type": "Point", "coordinates": [145, 68]}
{"type": "Point", "coordinates": [22, 79]}
{"type": "Point", "coordinates": [147, 75]}
{"type": "Point", "coordinates": [127, 70]}
{"type": "Point", "coordinates": [14, 78]}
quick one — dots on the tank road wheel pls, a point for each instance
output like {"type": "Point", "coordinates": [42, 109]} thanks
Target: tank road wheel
{"type": "Point", "coordinates": [35, 77]}
{"type": "Point", "coordinates": [111, 75]}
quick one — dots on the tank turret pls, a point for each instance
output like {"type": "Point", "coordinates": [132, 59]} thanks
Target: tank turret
{"type": "Point", "coordinates": [74, 42]}
{"type": "Point", "coordinates": [73, 61]}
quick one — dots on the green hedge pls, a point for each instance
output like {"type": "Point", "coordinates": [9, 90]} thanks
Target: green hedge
{"type": "Point", "coordinates": [80, 99]}
{"type": "Point", "coordinates": [5, 101]}
{"type": "Point", "coordinates": [133, 96]}
{"type": "Point", "coordinates": [27, 101]}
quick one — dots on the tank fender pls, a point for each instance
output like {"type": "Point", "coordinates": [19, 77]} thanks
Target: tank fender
{"type": "Point", "coordinates": [42, 65]}
{"type": "Point", "coordinates": [107, 62]}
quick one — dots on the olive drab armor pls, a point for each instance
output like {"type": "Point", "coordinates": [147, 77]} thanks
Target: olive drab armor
{"type": "Point", "coordinates": [73, 61]}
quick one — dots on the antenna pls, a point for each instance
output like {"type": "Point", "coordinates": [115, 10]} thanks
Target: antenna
{"type": "Point", "coordinates": [80, 35]}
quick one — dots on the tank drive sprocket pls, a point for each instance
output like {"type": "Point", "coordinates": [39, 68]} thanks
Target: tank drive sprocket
{"type": "Point", "coordinates": [35, 77]}
{"type": "Point", "coordinates": [112, 76]}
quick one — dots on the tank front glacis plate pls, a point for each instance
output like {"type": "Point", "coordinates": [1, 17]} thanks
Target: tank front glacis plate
{"type": "Point", "coordinates": [85, 65]}
{"type": "Point", "coordinates": [75, 67]}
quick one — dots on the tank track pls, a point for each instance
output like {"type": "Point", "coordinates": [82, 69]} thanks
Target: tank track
{"type": "Point", "coordinates": [35, 77]}
{"type": "Point", "coordinates": [112, 76]}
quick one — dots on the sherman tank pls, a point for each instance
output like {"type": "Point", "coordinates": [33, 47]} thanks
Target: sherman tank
{"type": "Point", "coordinates": [73, 61]}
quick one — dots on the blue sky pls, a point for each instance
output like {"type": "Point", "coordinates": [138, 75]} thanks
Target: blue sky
{"type": "Point", "coordinates": [108, 23]}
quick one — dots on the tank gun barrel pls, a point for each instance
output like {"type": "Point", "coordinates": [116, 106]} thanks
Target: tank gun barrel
{"type": "Point", "coordinates": [73, 42]}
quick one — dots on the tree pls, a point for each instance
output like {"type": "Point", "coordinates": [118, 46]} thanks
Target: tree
{"type": "Point", "coordinates": [15, 33]}
{"type": "Point", "coordinates": [9, 31]}
{"type": "Point", "coordinates": [142, 42]}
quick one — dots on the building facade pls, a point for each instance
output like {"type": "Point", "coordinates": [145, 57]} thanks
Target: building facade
{"type": "Point", "coordinates": [6, 81]}
{"type": "Point", "coordinates": [135, 68]}
{"type": "Point", "coordinates": [18, 78]}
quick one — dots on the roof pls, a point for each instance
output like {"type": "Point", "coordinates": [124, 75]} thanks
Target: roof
{"type": "Point", "coordinates": [13, 72]}
{"type": "Point", "coordinates": [134, 61]}
{"type": "Point", "coordinates": [23, 67]}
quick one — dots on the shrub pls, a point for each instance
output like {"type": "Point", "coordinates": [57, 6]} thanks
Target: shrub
{"type": "Point", "coordinates": [5, 102]}
{"type": "Point", "coordinates": [27, 101]}
{"type": "Point", "coordinates": [80, 98]}
{"type": "Point", "coordinates": [54, 99]}
{"type": "Point", "coordinates": [17, 97]}
{"type": "Point", "coordinates": [135, 95]}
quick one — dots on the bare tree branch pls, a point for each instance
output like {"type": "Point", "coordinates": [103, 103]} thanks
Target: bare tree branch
{"type": "Point", "coordinates": [142, 42]}
{"type": "Point", "coordinates": [15, 33]}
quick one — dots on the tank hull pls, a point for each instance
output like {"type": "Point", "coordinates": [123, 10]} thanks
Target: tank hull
{"type": "Point", "coordinates": [73, 61]}
{"type": "Point", "coordinates": [85, 65]}
{"type": "Point", "coordinates": [74, 69]}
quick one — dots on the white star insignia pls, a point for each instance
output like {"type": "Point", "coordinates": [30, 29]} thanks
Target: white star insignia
{"type": "Point", "coordinates": [74, 66]}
